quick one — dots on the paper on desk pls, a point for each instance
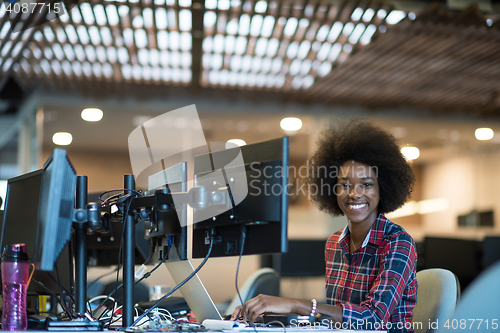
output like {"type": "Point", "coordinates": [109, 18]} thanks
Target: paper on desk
{"type": "Point", "coordinates": [214, 324]}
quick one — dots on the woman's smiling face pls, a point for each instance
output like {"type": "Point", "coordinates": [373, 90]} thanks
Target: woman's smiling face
{"type": "Point", "coordinates": [358, 192]}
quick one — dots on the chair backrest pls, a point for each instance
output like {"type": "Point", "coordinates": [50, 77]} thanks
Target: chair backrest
{"type": "Point", "coordinates": [478, 309]}
{"type": "Point", "coordinates": [264, 281]}
{"type": "Point", "coordinates": [437, 295]}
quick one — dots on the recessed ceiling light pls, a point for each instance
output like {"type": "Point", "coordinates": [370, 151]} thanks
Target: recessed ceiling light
{"type": "Point", "coordinates": [235, 142]}
{"type": "Point", "coordinates": [410, 153]}
{"type": "Point", "coordinates": [484, 133]}
{"type": "Point", "coordinates": [62, 138]}
{"type": "Point", "coordinates": [92, 114]}
{"type": "Point", "coordinates": [291, 124]}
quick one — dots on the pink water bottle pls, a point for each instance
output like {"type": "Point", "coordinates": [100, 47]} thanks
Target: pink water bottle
{"type": "Point", "coordinates": [15, 275]}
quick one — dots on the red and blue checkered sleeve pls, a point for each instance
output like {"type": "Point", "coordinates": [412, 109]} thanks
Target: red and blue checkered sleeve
{"type": "Point", "coordinates": [397, 267]}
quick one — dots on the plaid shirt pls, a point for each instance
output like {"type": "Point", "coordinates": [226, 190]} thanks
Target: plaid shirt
{"type": "Point", "coordinates": [378, 284]}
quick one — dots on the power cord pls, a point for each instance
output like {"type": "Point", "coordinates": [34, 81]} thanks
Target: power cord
{"type": "Point", "coordinates": [212, 237]}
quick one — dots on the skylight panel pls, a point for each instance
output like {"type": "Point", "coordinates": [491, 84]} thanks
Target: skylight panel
{"type": "Point", "coordinates": [58, 51]}
{"type": "Point", "coordinates": [100, 16]}
{"type": "Point", "coordinates": [107, 39]}
{"type": "Point", "coordinates": [17, 49]}
{"type": "Point", "coordinates": [156, 74]}
{"type": "Point", "coordinates": [223, 77]}
{"type": "Point", "coordinates": [90, 51]}
{"type": "Point", "coordinates": [61, 36]}
{"type": "Point", "coordinates": [68, 50]}
{"type": "Point", "coordinates": [164, 58]}
{"type": "Point", "coordinates": [154, 57]}
{"type": "Point", "coordinates": [137, 72]}
{"type": "Point", "coordinates": [48, 53]}
{"type": "Point", "coordinates": [143, 56]}
{"type": "Point", "coordinates": [186, 60]}
{"type": "Point", "coordinates": [107, 70]}
{"type": "Point", "coordinates": [6, 48]}
{"type": "Point", "coordinates": [367, 35]}
{"type": "Point", "coordinates": [94, 35]}
{"type": "Point", "coordinates": [272, 47]}
{"type": "Point", "coordinates": [213, 77]}
{"type": "Point", "coordinates": [268, 26]}
{"type": "Point", "coordinates": [305, 67]}
{"type": "Point", "coordinates": [356, 34]}
{"type": "Point", "coordinates": [126, 72]}
{"type": "Point", "coordinates": [230, 43]}
{"type": "Point", "coordinates": [186, 76]}
{"type": "Point", "coordinates": [280, 81]}
{"type": "Point", "coordinates": [235, 3]}
{"type": "Point", "coordinates": [36, 52]}
{"type": "Point", "coordinates": [395, 16]}
{"type": "Point", "coordinates": [38, 35]}
{"type": "Point", "coordinates": [277, 65]}
{"type": "Point", "coordinates": [256, 64]}
{"type": "Point", "coordinates": [162, 40]}
{"type": "Point", "coordinates": [87, 69]}
{"type": "Point", "coordinates": [223, 4]}
{"type": "Point", "coordinates": [233, 78]}
{"type": "Point", "coordinates": [66, 66]}
{"type": "Point", "coordinates": [357, 14]}
{"type": "Point", "coordinates": [77, 68]}
{"type": "Point", "coordinates": [174, 40]}
{"type": "Point", "coordinates": [251, 79]}
{"type": "Point", "coordinates": [75, 15]}
{"type": "Point", "coordinates": [211, 4]}
{"type": "Point", "coordinates": [185, 3]}
{"type": "Point", "coordinates": [176, 75]}
{"type": "Point", "coordinates": [241, 45]}
{"type": "Point", "coordinates": [185, 20]}
{"type": "Point", "coordinates": [218, 44]}
{"type": "Point", "coordinates": [256, 25]}
{"type": "Point", "coordinates": [186, 41]}
{"type": "Point", "coordinates": [138, 22]}
{"type": "Point", "coordinates": [367, 17]}
{"type": "Point", "coordinates": [307, 82]}
{"type": "Point", "coordinates": [244, 28]}
{"type": "Point", "coordinates": [83, 35]}
{"type": "Point", "coordinates": [123, 56]}
{"type": "Point", "coordinates": [261, 6]}
{"type": "Point", "coordinates": [290, 27]}
{"type": "Point", "coordinates": [347, 48]}
{"type": "Point", "coordinates": [210, 18]}
{"type": "Point", "coordinates": [261, 47]}
{"type": "Point", "coordinates": [323, 51]}
{"type": "Point", "coordinates": [231, 27]}
{"type": "Point", "coordinates": [235, 63]}
{"type": "Point", "coordinates": [80, 53]}
{"type": "Point", "coordinates": [207, 44]}
{"type": "Point", "coordinates": [112, 14]}
{"type": "Point", "coordinates": [147, 15]}
{"type": "Point", "coordinates": [97, 69]}
{"type": "Point", "coordinates": [72, 35]}
{"type": "Point", "coordinates": [348, 29]}
{"type": "Point", "coordinates": [334, 52]}
{"type": "Point", "coordinates": [206, 60]}
{"type": "Point", "coordinates": [296, 82]}
{"type": "Point", "coordinates": [242, 79]}
{"type": "Point", "coordinates": [88, 16]}
{"type": "Point", "coordinates": [304, 48]}
{"type": "Point", "coordinates": [141, 38]}
{"type": "Point", "coordinates": [291, 52]}
{"type": "Point", "coordinates": [161, 18]}
{"type": "Point", "coordinates": [5, 29]}
{"type": "Point", "coordinates": [146, 73]}
{"type": "Point", "coordinates": [266, 65]}
{"type": "Point", "coordinates": [216, 61]}
{"type": "Point", "coordinates": [165, 74]}
{"type": "Point", "coordinates": [335, 31]}
{"type": "Point", "coordinates": [44, 64]}
{"type": "Point", "coordinates": [49, 34]}
{"type": "Point", "coordinates": [111, 53]}
{"type": "Point", "coordinates": [381, 14]}
{"type": "Point", "coordinates": [295, 67]}
{"type": "Point", "coordinates": [175, 59]}
{"type": "Point", "coordinates": [246, 63]}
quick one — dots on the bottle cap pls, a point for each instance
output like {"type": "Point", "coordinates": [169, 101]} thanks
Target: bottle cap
{"type": "Point", "coordinates": [15, 252]}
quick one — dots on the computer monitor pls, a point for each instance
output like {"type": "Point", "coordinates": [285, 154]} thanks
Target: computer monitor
{"type": "Point", "coordinates": [55, 210]}
{"type": "Point", "coordinates": [263, 171]}
{"type": "Point", "coordinates": [19, 225]}
{"type": "Point", "coordinates": [305, 258]}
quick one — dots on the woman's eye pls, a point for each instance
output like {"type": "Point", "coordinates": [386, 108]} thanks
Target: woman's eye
{"type": "Point", "coordinates": [368, 184]}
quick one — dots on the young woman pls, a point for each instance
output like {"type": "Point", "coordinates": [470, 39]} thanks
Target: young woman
{"type": "Point", "coordinates": [358, 171]}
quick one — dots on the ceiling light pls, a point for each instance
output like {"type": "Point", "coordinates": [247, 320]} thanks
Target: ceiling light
{"type": "Point", "coordinates": [92, 114]}
{"type": "Point", "coordinates": [484, 133]}
{"type": "Point", "coordinates": [291, 124]}
{"type": "Point", "coordinates": [410, 153]}
{"type": "Point", "coordinates": [62, 138]}
{"type": "Point", "coordinates": [235, 143]}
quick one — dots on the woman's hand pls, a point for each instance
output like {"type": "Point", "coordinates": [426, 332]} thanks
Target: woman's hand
{"type": "Point", "coordinates": [262, 304]}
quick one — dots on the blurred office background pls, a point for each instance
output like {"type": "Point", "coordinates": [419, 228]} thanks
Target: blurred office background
{"type": "Point", "coordinates": [425, 71]}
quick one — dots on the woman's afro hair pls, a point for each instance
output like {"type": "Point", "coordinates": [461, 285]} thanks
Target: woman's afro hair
{"type": "Point", "coordinates": [359, 140]}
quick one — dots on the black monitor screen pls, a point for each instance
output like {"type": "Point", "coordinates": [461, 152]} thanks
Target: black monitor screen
{"type": "Point", "coordinates": [262, 170]}
{"type": "Point", "coordinates": [19, 225]}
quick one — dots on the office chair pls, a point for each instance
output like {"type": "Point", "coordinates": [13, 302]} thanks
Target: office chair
{"type": "Point", "coordinates": [478, 308]}
{"type": "Point", "coordinates": [263, 281]}
{"type": "Point", "coordinates": [437, 296]}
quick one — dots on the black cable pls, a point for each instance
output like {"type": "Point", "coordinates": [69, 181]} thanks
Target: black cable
{"type": "Point", "coordinates": [182, 283]}
{"type": "Point", "coordinates": [66, 310]}
{"type": "Point", "coordinates": [243, 237]}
